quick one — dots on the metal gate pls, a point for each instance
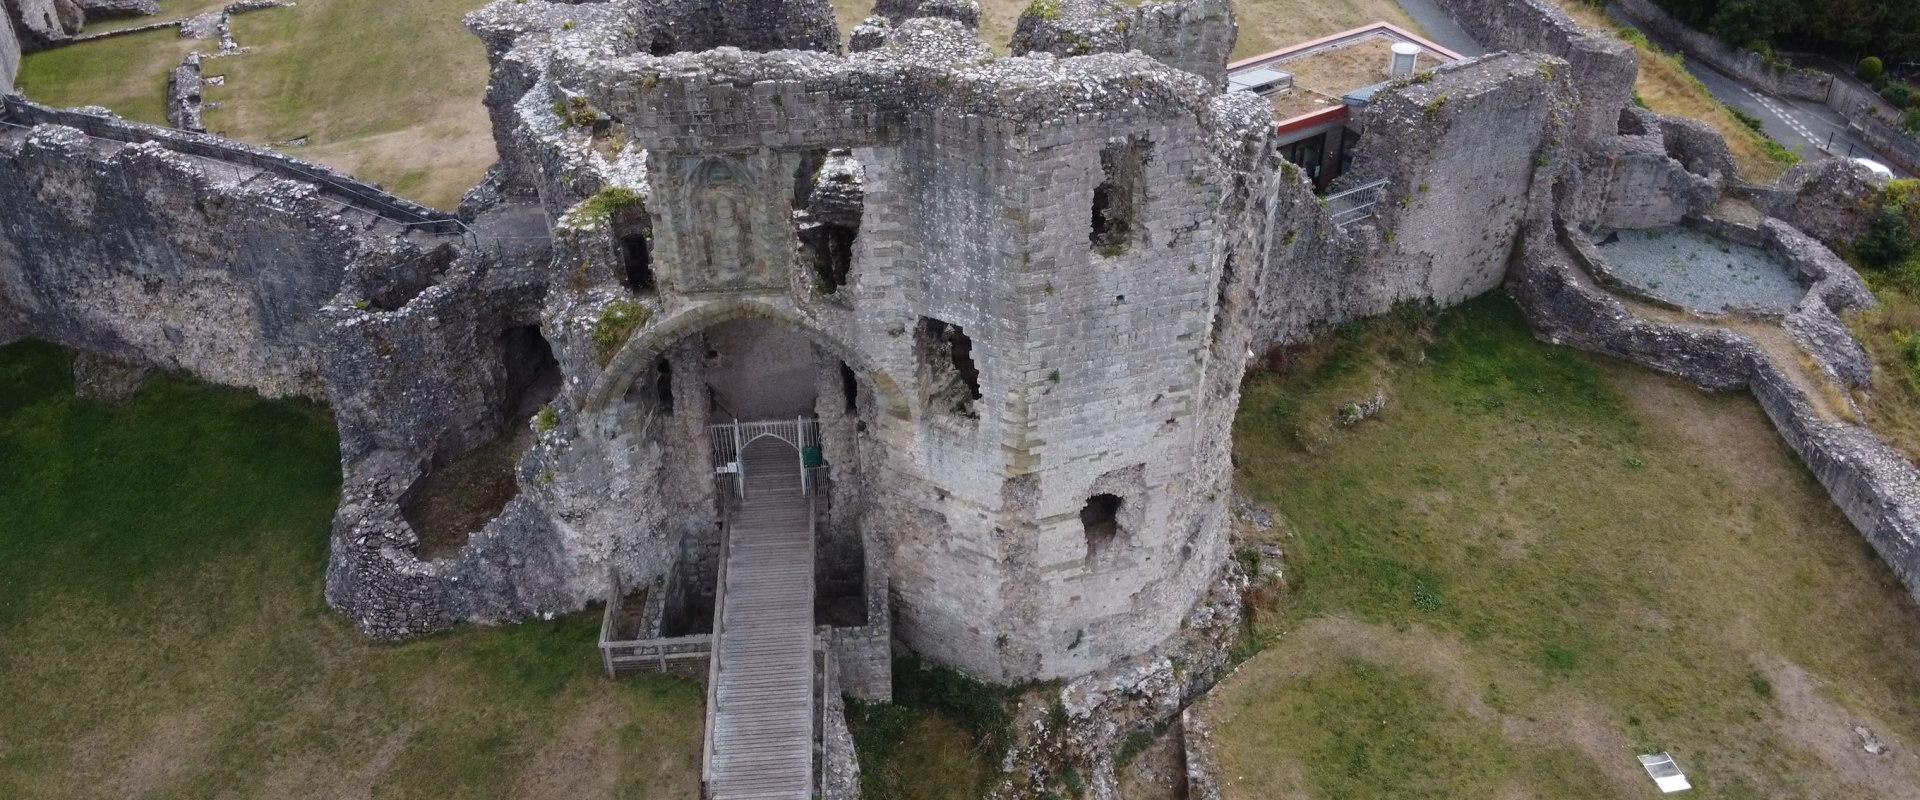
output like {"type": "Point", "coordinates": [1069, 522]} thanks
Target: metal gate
{"type": "Point", "coordinates": [730, 439]}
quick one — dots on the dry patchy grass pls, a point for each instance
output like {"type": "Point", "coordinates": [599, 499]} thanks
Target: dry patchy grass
{"type": "Point", "coordinates": [387, 91]}
{"type": "Point", "coordinates": [1666, 87]}
{"type": "Point", "coordinates": [1539, 563]}
{"type": "Point", "coordinates": [160, 568]}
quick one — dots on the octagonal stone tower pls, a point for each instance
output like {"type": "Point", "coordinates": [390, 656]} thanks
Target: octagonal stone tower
{"type": "Point", "coordinates": [1033, 290]}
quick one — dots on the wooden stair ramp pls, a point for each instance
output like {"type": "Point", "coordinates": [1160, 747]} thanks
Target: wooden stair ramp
{"type": "Point", "coordinates": [760, 737]}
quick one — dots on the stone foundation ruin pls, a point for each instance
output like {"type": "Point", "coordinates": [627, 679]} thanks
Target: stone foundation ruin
{"type": "Point", "coordinates": [1013, 297]}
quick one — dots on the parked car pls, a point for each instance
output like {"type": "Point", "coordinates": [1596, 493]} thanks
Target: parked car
{"type": "Point", "coordinates": [1875, 167]}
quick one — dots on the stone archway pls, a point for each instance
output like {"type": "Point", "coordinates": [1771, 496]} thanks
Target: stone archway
{"type": "Point", "coordinates": [634, 358]}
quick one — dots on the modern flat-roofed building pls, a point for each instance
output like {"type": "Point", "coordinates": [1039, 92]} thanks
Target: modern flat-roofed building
{"type": "Point", "coordinates": [1314, 85]}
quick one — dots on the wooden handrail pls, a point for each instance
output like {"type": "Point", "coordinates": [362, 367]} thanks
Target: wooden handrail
{"type": "Point", "coordinates": [713, 663]}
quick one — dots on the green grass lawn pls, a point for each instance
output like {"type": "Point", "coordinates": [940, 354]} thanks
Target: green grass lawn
{"type": "Point", "coordinates": [1536, 565]}
{"type": "Point", "coordinates": [389, 92]}
{"type": "Point", "coordinates": [160, 569]}
{"type": "Point", "coordinates": [125, 73]}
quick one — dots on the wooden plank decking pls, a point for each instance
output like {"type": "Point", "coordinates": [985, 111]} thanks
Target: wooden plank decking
{"type": "Point", "coordinates": [762, 693]}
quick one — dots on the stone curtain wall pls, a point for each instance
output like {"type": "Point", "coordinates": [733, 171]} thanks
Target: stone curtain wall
{"type": "Point", "coordinates": [1461, 152]}
{"type": "Point", "coordinates": [1603, 67]}
{"type": "Point", "coordinates": [1192, 35]}
{"type": "Point", "coordinates": [152, 258]}
{"type": "Point", "coordinates": [1806, 84]}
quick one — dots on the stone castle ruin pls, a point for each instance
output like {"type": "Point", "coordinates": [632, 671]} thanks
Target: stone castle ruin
{"type": "Point", "coordinates": [988, 314]}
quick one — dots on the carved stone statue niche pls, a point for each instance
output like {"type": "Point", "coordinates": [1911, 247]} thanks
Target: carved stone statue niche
{"type": "Point", "coordinates": [724, 256]}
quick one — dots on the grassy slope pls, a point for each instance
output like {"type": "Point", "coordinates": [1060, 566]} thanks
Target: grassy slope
{"type": "Point", "coordinates": [1541, 563]}
{"type": "Point", "coordinates": [160, 568]}
{"type": "Point", "coordinates": [1666, 87]}
{"type": "Point", "coordinates": [387, 91]}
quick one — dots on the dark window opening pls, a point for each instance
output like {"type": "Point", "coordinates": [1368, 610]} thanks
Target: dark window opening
{"type": "Point", "coordinates": [1222, 297]}
{"type": "Point", "coordinates": [830, 248]}
{"type": "Point", "coordinates": [805, 175]}
{"type": "Point", "coordinates": [850, 386]}
{"type": "Point", "coordinates": [1100, 518]}
{"type": "Point", "coordinates": [1348, 141]}
{"type": "Point", "coordinates": [1118, 197]}
{"type": "Point", "coordinates": [663, 386]}
{"type": "Point", "coordinates": [1308, 154]}
{"type": "Point", "coordinates": [662, 45]}
{"type": "Point", "coordinates": [532, 373]}
{"type": "Point", "coordinates": [946, 360]}
{"type": "Point", "coordinates": [636, 250]}
{"type": "Point", "coordinates": [460, 495]}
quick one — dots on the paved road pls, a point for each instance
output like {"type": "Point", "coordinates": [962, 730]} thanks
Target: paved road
{"type": "Point", "coordinates": [1441, 28]}
{"type": "Point", "coordinates": [1809, 129]}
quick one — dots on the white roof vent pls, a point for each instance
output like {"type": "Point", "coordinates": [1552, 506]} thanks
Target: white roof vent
{"type": "Point", "coordinates": [1405, 56]}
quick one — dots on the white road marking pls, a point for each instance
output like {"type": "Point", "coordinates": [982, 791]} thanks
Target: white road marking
{"type": "Point", "coordinates": [1784, 115]}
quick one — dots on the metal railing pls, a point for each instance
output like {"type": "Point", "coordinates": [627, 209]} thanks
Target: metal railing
{"type": "Point", "coordinates": [1355, 204]}
{"type": "Point", "coordinates": [730, 439]}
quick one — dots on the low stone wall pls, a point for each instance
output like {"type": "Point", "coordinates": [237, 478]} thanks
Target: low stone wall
{"type": "Point", "coordinates": [1193, 35]}
{"type": "Point", "coordinates": [1603, 67]}
{"type": "Point", "coordinates": [1748, 66]}
{"type": "Point", "coordinates": [148, 257]}
{"type": "Point", "coordinates": [1873, 485]}
{"type": "Point", "coordinates": [20, 111]}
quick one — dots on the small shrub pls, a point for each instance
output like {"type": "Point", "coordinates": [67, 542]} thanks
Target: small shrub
{"type": "Point", "coordinates": [600, 206]}
{"type": "Point", "coordinates": [1777, 153]}
{"type": "Point", "coordinates": [1899, 93]}
{"type": "Point", "coordinates": [1745, 118]}
{"type": "Point", "coordinates": [1070, 777]}
{"type": "Point", "coordinates": [545, 419]}
{"type": "Point", "coordinates": [1886, 241]}
{"type": "Point", "coordinates": [1042, 9]}
{"type": "Point", "coordinates": [1249, 560]}
{"type": "Point", "coordinates": [1870, 69]}
{"type": "Point", "coordinates": [1761, 686]}
{"type": "Point", "coordinates": [616, 322]}
{"type": "Point", "coordinates": [1910, 121]}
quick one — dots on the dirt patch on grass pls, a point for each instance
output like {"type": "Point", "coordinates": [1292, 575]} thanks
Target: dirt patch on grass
{"type": "Point", "coordinates": [1811, 719]}
{"type": "Point", "coordinates": [582, 761]}
{"type": "Point", "coordinates": [1536, 565]}
{"type": "Point", "coordinates": [455, 162]}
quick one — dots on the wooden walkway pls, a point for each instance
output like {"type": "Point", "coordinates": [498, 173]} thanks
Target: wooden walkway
{"type": "Point", "coordinates": [761, 697]}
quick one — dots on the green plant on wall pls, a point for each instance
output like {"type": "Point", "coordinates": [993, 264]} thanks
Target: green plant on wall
{"type": "Point", "coordinates": [615, 324]}
{"type": "Point", "coordinates": [600, 206]}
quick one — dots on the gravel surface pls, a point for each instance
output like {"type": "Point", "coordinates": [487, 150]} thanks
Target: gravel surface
{"type": "Point", "coordinates": [1698, 271]}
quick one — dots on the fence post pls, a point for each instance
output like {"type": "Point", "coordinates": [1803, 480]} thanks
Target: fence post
{"type": "Point", "coordinates": [739, 463]}
{"type": "Point", "coordinates": [800, 435]}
